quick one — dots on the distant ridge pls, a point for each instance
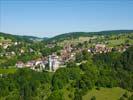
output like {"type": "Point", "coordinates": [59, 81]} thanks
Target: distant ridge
{"type": "Point", "coordinates": [64, 36]}
{"type": "Point", "coordinates": [78, 34]}
{"type": "Point", "coordinates": [19, 37]}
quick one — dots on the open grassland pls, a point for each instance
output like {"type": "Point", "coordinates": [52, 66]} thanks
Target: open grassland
{"type": "Point", "coordinates": [119, 42]}
{"type": "Point", "coordinates": [116, 42]}
{"type": "Point", "coordinates": [112, 41]}
{"type": "Point", "coordinates": [106, 94]}
{"type": "Point", "coordinates": [75, 41]}
{"type": "Point", "coordinates": [102, 94]}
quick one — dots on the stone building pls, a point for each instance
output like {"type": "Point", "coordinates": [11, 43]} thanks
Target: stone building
{"type": "Point", "coordinates": [53, 62]}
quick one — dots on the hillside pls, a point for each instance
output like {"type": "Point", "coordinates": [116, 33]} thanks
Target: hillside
{"type": "Point", "coordinates": [106, 94]}
{"type": "Point", "coordinates": [18, 37]}
{"type": "Point", "coordinates": [64, 36]}
{"type": "Point", "coordinates": [73, 35]}
{"type": "Point", "coordinates": [101, 77]}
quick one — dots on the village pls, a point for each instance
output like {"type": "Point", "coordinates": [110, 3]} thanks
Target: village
{"type": "Point", "coordinates": [53, 62]}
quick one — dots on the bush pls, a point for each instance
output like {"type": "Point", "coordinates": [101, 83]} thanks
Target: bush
{"type": "Point", "coordinates": [70, 95]}
{"type": "Point", "coordinates": [125, 95]}
{"type": "Point", "coordinates": [122, 98]}
{"type": "Point", "coordinates": [93, 98]}
{"type": "Point", "coordinates": [131, 97]}
{"type": "Point", "coordinates": [97, 88]}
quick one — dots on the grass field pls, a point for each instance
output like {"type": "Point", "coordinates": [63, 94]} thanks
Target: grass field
{"type": "Point", "coordinates": [8, 71]}
{"type": "Point", "coordinates": [116, 42]}
{"type": "Point", "coordinates": [112, 41]}
{"type": "Point", "coordinates": [105, 94]}
{"type": "Point", "coordinates": [75, 41]}
{"type": "Point", "coordinates": [102, 94]}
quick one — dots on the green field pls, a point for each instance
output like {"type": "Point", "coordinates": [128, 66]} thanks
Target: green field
{"type": "Point", "coordinates": [113, 41]}
{"type": "Point", "coordinates": [119, 42]}
{"type": "Point", "coordinates": [8, 71]}
{"type": "Point", "coordinates": [105, 94]}
{"type": "Point", "coordinates": [102, 94]}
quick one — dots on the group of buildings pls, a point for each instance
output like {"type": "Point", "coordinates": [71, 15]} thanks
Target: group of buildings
{"type": "Point", "coordinates": [102, 48]}
{"type": "Point", "coordinates": [50, 63]}
{"type": "Point", "coordinates": [37, 65]}
{"type": "Point", "coordinates": [54, 61]}
{"type": "Point", "coordinates": [5, 44]}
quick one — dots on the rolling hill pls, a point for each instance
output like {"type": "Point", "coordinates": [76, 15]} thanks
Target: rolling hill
{"type": "Point", "coordinates": [64, 36]}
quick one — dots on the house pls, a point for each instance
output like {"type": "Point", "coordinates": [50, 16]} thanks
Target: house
{"type": "Point", "coordinates": [22, 51]}
{"type": "Point", "coordinates": [30, 64]}
{"type": "Point", "coordinates": [5, 46]}
{"type": "Point", "coordinates": [15, 43]}
{"type": "Point", "coordinates": [100, 46]}
{"type": "Point", "coordinates": [0, 44]}
{"type": "Point", "coordinates": [39, 65]}
{"type": "Point", "coordinates": [20, 64]}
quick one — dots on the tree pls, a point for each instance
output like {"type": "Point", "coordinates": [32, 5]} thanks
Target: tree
{"type": "Point", "coordinates": [71, 64]}
{"type": "Point", "coordinates": [93, 98]}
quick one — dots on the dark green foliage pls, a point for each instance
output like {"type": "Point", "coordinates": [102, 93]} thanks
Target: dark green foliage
{"type": "Point", "coordinates": [79, 57]}
{"type": "Point", "coordinates": [122, 98]}
{"type": "Point", "coordinates": [25, 82]}
{"type": "Point", "coordinates": [56, 95]}
{"type": "Point", "coordinates": [131, 97]}
{"type": "Point", "coordinates": [70, 96]}
{"type": "Point", "coordinates": [77, 95]}
{"type": "Point", "coordinates": [83, 56]}
{"type": "Point", "coordinates": [63, 76]}
{"type": "Point", "coordinates": [127, 59]}
{"type": "Point", "coordinates": [125, 95]}
{"type": "Point", "coordinates": [71, 64]}
{"type": "Point", "coordinates": [106, 59]}
{"type": "Point", "coordinates": [118, 67]}
{"type": "Point", "coordinates": [93, 98]}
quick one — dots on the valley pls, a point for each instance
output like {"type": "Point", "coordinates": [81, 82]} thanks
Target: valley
{"type": "Point", "coordinates": [72, 66]}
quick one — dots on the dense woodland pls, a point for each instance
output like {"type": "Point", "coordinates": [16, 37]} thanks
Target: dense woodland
{"type": "Point", "coordinates": [101, 70]}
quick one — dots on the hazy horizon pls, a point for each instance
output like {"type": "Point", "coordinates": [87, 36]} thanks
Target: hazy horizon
{"type": "Point", "coordinates": [54, 17]}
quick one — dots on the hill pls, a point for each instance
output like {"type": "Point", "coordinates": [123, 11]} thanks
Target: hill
{"type": "Point", "coordinates": [18, 37]}
{"type": "Point", "coordinates": [72, 35]}
{"type": "Point", "coordinates": [65, 36]}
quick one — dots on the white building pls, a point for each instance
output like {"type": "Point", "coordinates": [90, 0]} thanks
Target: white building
{"type": "Point", "coordinates": [39, 66]}
{"type": "Point", "coordinates": [20, 64]}
{"type": "Point", "coordinates": [53, 62]}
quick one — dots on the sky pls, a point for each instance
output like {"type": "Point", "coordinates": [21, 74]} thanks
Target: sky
{"type": "Point", "coordinates": [47, 18]}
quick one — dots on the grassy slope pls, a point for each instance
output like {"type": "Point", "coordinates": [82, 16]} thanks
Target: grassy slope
{"type": "Point", "coordinates": [74, 41]}
{"type": "Point", "coordinates": [111, 41]}
{"type": "Point", "coordinates": [102, 94]}
{"type": "Point", "coordinates": [105, 94]}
